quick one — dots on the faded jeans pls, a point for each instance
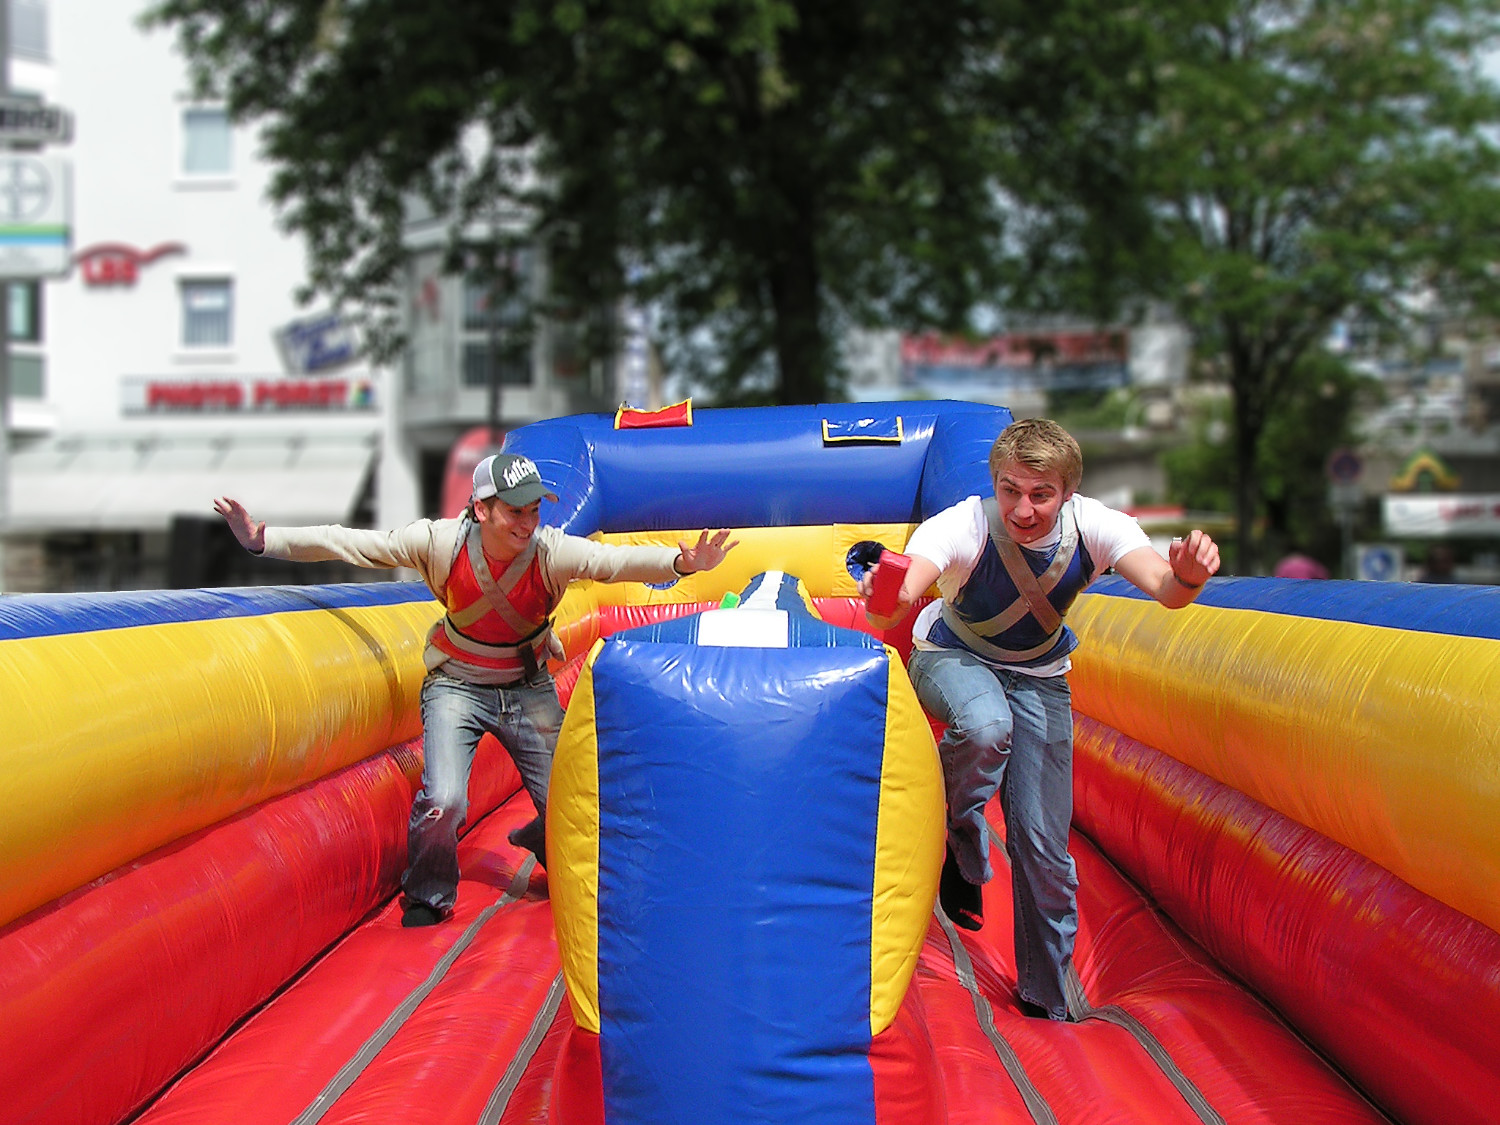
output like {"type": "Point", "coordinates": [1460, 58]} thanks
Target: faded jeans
{"type": "Point", "coordinates": [1007, 727]}
{"type": "Point", "coordinates": [524, 716]}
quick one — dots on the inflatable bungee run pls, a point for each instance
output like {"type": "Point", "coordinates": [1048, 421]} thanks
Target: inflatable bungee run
{"type": "Point", "coordinates": [1286, 824]}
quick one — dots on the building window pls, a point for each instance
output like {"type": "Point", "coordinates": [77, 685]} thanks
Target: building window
{"type": "Point", "coordinates": [206, 148]}
{"type": "Point", "coordinates": [28, 376]}
{"type": "Point", "coordinates": [207, 313]}
{"type": "Point", "coordinates": [497, 329]}
{"type": "Point", "coordinates": [28, 29]}
{"type": "Point", "coordinates": [514, 369]}
{"type": "Point", "coordinates": [26, 311]}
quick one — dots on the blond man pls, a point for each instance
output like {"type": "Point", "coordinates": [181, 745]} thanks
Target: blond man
{"type": "Point", "coordinates": [990, 658]}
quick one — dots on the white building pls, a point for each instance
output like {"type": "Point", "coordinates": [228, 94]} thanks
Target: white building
{"type": "Point", "coordinates": [172, 363]}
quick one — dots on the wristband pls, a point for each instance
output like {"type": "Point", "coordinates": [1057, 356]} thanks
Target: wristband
{"type": "Point", "coordinates": [679, 573]}
{"type": "Point", "coordinates": [1186, 585]}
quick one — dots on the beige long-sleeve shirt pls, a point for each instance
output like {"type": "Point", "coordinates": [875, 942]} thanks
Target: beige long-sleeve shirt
{"type": "Point", "coordinates": [430, 546]}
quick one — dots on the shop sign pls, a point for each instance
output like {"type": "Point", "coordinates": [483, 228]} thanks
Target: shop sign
{"type": "Point", "coordinates": [220, 395]}
{"type": "Point", "coordinates": [317, 343]}
{"type": "Point", "coordinates": [1426, 516]}
{"type": "Point", "coordinates": [29, 121]}
{"type": "Point", "coordinates": [36, 216]}
{"type": "Point", "coordinates": [956, 367]}
{"type": "Point", "coordinates": [115, 263]}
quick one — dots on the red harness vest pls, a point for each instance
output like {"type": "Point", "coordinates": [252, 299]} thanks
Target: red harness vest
{"type": "Point", "coordinates": [475, 632]}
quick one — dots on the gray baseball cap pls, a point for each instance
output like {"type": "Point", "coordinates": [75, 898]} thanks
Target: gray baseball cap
{"type": "Point", "coordinates": [514, 479]}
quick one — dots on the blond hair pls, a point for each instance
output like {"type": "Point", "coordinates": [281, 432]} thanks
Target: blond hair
{"type": "Point", "coordinates": [1040, 445]}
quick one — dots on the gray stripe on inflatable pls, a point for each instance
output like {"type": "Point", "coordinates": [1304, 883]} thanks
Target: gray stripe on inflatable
{"type": "Point", "coordinates": [1037, 1105]}
{"type": "Point", "coordinates": [1081, 1009]}
{"type": "Point", "coordinates": [351, 1070]}
{"type": "Point", "coordinates": [495, 1107]}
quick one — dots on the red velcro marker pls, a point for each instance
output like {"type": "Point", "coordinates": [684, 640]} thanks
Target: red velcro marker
{"type": "Point", "coordinates": [631, 418]}
{"type": "Point", "coordinates": [888, 578]}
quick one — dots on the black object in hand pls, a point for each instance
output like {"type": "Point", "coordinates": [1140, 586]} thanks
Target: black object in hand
{"type": "Point", "coordinates": [862, 556]}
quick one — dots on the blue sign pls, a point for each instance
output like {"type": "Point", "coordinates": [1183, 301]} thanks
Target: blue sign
{"type": "Point", "coordinates": [1379, 562]}
{"type": "Point", "coordinates": [316, 344]}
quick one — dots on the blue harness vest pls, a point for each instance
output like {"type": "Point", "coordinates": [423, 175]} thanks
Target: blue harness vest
{"type": "Point", "coordinates": [1006, 621]}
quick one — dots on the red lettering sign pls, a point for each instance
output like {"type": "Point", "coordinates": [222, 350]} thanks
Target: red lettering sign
{"type": "Point", "coordinates": [202, 395]}
{"type": "Point", "coordinates": [115, 263]}
{"type": "Point", "coordinates": [1017, 349]}
{"type": "Point", "coordinates": [266, 395]}
{"type": "Point", "coordinates": [280, 395]}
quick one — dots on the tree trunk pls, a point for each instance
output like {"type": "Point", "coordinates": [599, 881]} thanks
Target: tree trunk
{"type": "Point", "coordinates": [1249, 420]}
{"type": "Point", "coordinates": [801, 349]}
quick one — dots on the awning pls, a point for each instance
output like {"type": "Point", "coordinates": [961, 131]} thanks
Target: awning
{"type": "Point", "coordinates": [123, 483]}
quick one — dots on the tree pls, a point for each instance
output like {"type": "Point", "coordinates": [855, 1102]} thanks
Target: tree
{"type": "Point", "coordinates": [1312, 160]}
{"type": "Point", "coordinates": [1315, 416]}
{"type": "Point", "coordinates": [764, 171]}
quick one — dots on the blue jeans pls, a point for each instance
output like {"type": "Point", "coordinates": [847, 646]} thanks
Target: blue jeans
{"type": "Point", "coordinates": [524, 716]}
{"type": "Point", "coordinates": [1007, 727]}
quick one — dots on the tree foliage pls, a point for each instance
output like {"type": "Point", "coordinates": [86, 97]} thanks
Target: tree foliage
{"type": "Point", "coordinates": [764, 171]}
{"type": "Point", "coordinates": [1312, 160]}
{"type": "Point", "coordinates": [1315, 416]}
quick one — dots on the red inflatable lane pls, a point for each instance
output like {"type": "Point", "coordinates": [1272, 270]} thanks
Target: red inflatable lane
{"type": "Point", "coordinates": [532, 1098]}
{"type": "Point", "coordinates": [908, 1087]}
{"type": "Point", "coordinates": [109, 992]}
{"type": "Point", "coordinates": [1246, 1063]}
{"type": "Point", "coordinates": [453, 1056]}
{"type": "Point", "coordinates": [1291, 912]}
{"type": "Point", "coordinates": [1149, 990]}
{"type": "Point", "coordinates": [1088, 1072]}
{"type": "Point", "coordinates": [978, 1089]}
{"type": "Point", "coordinates": [292, 1052]}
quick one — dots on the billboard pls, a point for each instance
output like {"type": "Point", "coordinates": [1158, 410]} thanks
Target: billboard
{"type": "Point", "coordinates": [1017, 362]}
{"type": "Point", "coordinates": [1442, 516]}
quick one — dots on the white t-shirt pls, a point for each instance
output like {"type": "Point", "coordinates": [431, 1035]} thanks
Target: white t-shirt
{"type": "Point", "coordinates": [954, 539]}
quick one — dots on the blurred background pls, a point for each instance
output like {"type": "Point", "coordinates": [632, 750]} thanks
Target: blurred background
{"type": "Point", "coordinates": [320, 255]}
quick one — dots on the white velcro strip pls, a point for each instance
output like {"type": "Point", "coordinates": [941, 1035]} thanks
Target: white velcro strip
{"type": "Point", "coordinates": [743, 628]}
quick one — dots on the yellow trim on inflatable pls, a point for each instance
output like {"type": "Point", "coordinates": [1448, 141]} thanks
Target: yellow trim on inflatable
{"type": "Point", "coordinates": [120, 741]}
{"type": "Point", "coordinates": [814, 553]}
{"type": "Point", "coordinates": [1382, 739]}
{"type": "Point", "coordinates": [807, 600]}
{"type": "Point", "coordinates": [910, 832]}
{"type": "Point", "coordinates": [573, 848]}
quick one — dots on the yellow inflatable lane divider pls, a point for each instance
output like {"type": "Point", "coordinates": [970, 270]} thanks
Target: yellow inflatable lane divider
{"type": "Point", "coordinates": [123, 740]}
{"type": "Point", "coordinates": [1383, 739]}
{"type": "Point", "coordinates": [814, 554]}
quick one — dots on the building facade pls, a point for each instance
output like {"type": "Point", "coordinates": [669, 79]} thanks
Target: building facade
{"type": "Point", "coordinates": [172, 363]}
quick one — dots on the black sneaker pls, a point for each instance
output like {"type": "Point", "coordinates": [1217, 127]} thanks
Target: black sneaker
{"type": "Point", "coordinates": [533, 837]}
{"type": "Point", "coordinates": [420, 914]}
{"type": "Point", "coordinates": [1037, 1012]}
{"type": "Point", "coordinates": [1030, 1010]}
{"type": "Point", "coordinates": [962, 901]}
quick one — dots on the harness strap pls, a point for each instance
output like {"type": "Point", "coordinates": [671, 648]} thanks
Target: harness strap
{"type": "Point", "coordinates": [988, 648]}
{"type": "Point", "coordinates": [534, 643]}
{"type": "Point", "coordinates": [495, 591]}
{"type": "Point", "coordinates": [535, 636]}
{"type": "Point", "coordinates": [1032, 590]}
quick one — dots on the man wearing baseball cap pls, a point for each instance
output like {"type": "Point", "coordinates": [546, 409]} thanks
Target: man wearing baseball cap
{"type": "Point", "coordinates": [499, 574]}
